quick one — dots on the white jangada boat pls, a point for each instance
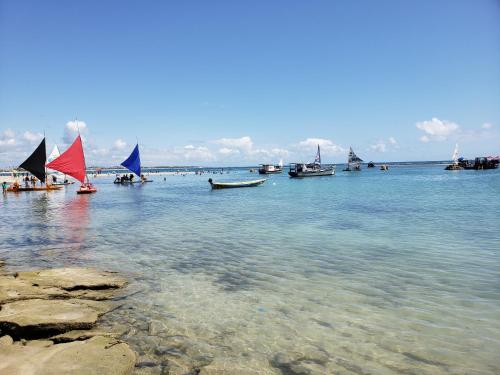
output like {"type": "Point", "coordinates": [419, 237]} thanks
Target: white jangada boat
{"type": "Point", "coordinates": [312, 169]}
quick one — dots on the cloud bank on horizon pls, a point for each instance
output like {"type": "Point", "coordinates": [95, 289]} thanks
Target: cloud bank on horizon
{"type": "Point", "coordinates": [14, 147]}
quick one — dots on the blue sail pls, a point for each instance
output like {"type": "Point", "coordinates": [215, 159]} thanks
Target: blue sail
{"type": "Point", "coordinates": [133, 162]}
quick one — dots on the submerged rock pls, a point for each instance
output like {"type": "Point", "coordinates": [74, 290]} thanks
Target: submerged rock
{"type": "Point", "coordinates": [38, 317]}
{"type": "Point", "coordinates": [74, 278]}
{"type": "Point", "coordinates": [98, 355]}
{"type": "Point", "coordinates": [86, 283]}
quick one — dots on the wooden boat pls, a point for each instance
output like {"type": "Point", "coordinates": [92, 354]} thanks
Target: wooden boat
{"type": "Point", "coordinates": [127, 182]}
{"type": "Point", "coordinates": [86, 188]}
{"type": "Point", "coordinates": [311, 169]}
{"type": "Point", "coordinates": [15, 187]}
{"type": "Point", "coordinates": [231, 185]}
{"type": "Point", "coordinates": [72, 162]}
{"type": "Point", "coordinates": [63, 183]}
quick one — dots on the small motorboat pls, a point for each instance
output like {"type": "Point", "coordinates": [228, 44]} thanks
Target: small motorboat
{"type": "Point", "coordinates": [384, 167]}
{"type": "Point", "coordinates": [239, 184]}
{"type": "Point", "coordinates": [370, 165]}
{"type": "Point", "coordinates": [86, 188]}
{"type": "Point", "coordinates": [270, 169]}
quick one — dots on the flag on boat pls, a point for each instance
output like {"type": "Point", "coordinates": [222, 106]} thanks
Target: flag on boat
{"type": "Point", "coordinates": [317, 159]}
{"type": "Point", "coordinates": [353, 158]}
{"type": "Point", "coordinates": [36, 162]}
{"type": "Point", "coordinates": [71, 161]}
{"type": "Point", "coordinates": [133, 162]}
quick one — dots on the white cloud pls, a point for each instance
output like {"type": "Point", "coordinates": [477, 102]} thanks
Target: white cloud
{"type": "Point", "coordinates": [243, 144]}
{"type": "Point", "coordinates": [327, 146]}
{"type": "Point", "coordinates": [198, 154]}
{"type": "Point", "coordinates": [32, 137]}
{"type": "Point", "coordinates": [379, 147]}
{"type": "Point", "coordinates": [71, 130]}
{"type": "Point", "coordinates": [487, 125]}
{"type": "Point", "coordinates": [437, 130]}
{"type": "Point", "coordinates": [383, 146]}
{"type": "Point", "coordinates": [119, 144]}
{"type": "Point", "coordinates": [7, 139]}
{"type": "Point", "coordinates": [228, 151]}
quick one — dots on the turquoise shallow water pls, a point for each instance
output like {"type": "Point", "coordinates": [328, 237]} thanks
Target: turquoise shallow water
{"type": "Point", "coordinates": [362, 273]}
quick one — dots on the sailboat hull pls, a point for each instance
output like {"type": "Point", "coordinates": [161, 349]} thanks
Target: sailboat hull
{"type": "Point", "coordinates": [16, 189]}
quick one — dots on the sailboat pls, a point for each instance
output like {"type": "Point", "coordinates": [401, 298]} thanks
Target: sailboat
{"type": "Point", "coordinates": [312, 169]}
{"type": "Point", "coordinates": [63, 180]}
{"type": "Point", "coordinates": [353, 162]}
{"type": "Point", "coordinates": [35, 164]}
{"type": "Point", "coordinates": [72, 162]}
{"type": "Point", "coordinates": [455, 166]}
{"type": "Point", "coordinates": [133, 164]}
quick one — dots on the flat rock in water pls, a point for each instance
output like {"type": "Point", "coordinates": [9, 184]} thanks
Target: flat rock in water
{"type": "Point", "coordinates": [14, 289]}
{"type": "Point", "coordinates": [34, 317]}
{"type": "Point", "coordinates": [74, 278]}
{"type": "Point", "coordinates": [98, 355]}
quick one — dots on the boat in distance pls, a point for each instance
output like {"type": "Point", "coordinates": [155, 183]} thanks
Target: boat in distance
{"type": "Point", "coordinates": [270, 169]}
{"type": "Point", "coordinates": [231, 185]}
{"type": "Point", "coordinates": [309, 170]}
{"type": "Point", "coordinates": [312, 169]}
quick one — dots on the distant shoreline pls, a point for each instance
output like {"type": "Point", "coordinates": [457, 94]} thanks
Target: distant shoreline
{"type": "Point", "coordinates": [93, 169]}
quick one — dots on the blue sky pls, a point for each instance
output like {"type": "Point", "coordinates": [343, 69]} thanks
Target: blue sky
{"type": "Point", "coordinates": [236, 83]}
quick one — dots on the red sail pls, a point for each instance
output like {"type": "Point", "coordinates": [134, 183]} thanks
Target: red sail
{"type": "Point", "coordinates": [71, 161]}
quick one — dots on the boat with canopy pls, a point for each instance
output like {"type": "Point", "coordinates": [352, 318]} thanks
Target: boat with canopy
{"type": "Point", "coordinates": [133, 164]}
{"type": "Point", "coordinates": [35, 164]}
{"type": "Point", "coordinates": [353, 162]}
{"type": "Point", "coordinates": [72, 163]}
{"type": "Point", "coordinates": [312, 169]}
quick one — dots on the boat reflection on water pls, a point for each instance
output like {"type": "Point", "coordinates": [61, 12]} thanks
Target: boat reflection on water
{"type": "Point", "coordinates": [75, 226]}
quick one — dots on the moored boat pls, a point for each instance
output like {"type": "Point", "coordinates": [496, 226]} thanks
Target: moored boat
{"type": "Point", "coordinates": [353, 162]}
{"type": "Point", "coordinates": [16, 187]}
{"type": "Point", "coordinates": [384, 167]}
{"type": "Point", "coordinates": [370, 165]}
{"type": "Point", "coordinates": [455, 166]}
{"type": "Point", "coordinates": [133, 164]}
{"type": "Point", "coordinates": [238, 184]}
{"type": "Point", "coordinates": [35, 164]}
{"type": "Point", "coordinates": [312, 169]}
{"type": "Point", "coordinates": [270, 169]}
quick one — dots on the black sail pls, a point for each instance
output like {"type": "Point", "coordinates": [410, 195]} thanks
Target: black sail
{"type": "Point", "coordinates": [36, 162]}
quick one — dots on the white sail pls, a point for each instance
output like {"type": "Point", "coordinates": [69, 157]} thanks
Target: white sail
{"type": "Point", "coordinates": [54, 154]}
{"type": "Point", "coordinates": [455, 154]}
{"type": "Point", "coordinates": [281, 163]}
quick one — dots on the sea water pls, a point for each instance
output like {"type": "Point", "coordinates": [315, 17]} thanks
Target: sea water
{"type": "Point", "coordinates": [365, 272]}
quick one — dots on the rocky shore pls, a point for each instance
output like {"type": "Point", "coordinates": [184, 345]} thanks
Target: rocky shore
{"type": "Point", "coordinates": [48, 323]}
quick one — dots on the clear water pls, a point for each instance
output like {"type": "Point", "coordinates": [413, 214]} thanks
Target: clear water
{"type": "Point", "coordinates": [362, 273]}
